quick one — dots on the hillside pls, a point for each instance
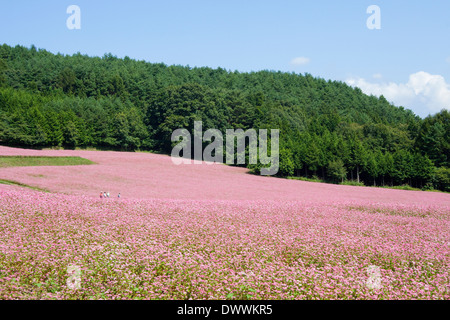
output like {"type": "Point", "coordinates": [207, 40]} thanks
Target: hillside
{"type": "Point", "coordinates": [327, 129]}
{"type": "Point", "coordinates": [151, 176]}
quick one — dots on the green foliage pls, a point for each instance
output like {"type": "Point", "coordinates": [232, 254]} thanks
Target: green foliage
{"type": "Point", "coordinates": [327, 128]}
{"type": "Point", "coordinates": [315, 179]}
{"type": "Point", "coordinates": [286, 163]}
{"type": "Point", "coordinates": [353, 183]}
{"type": "Point", "coordinates": [434, 138]}
{"type": "Point", "coordinates": [405, 187]}
{"type": "Point", "coordinates": [336, 170]}
{"type": "Point", "coordinates": [3, 69]}
{"type": "Point", "coordinates": [441, 179]}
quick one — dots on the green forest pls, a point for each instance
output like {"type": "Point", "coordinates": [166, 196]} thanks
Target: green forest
{"type": "Point", "coordinates": [328, 130]}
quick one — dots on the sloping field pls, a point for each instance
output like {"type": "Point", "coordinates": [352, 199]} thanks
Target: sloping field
{"type": "Point", "coordinates": [213, 232]}
{"type": "Point", "coordinates": [152, 176]}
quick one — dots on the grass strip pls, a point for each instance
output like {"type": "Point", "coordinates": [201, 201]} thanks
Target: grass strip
{"type": "Point", "coordinates": [34, 161]}
{"type": "Point", "coordinates": [15, 183]}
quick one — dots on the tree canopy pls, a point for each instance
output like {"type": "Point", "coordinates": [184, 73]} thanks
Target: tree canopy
{"type": "Point", "coordinates": [327, 128]}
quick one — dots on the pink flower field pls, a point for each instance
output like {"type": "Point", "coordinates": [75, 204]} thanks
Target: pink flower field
{"type": "Point", "coordinates": [213, 232]}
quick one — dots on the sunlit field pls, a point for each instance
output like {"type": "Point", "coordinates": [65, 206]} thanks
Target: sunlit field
{"type": "Point", "coordinates": [212, 232]}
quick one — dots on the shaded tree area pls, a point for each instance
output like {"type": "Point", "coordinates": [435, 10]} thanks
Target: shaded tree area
{"type": "Point", "coordinates": [328, 129]}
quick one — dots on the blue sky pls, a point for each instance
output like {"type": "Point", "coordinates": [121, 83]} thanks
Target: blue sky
{"type": "Point", "coordinates": [407, 60]}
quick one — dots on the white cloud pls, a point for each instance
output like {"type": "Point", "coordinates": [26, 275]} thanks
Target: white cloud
{"type": "Point", "coordinates": [299, 61]}
{"type": "Point", "coordinates": [377, 76]}
{"type": "Point", "coordinates": [424, 93]}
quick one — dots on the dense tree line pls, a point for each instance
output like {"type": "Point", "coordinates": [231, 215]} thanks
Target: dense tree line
{"type": "Point", "coordinates": [327, 128]}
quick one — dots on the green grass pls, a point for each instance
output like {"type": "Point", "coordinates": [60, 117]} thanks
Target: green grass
{"type": "Point", "coordinates": [403, 187]}
{"type": "Point", "coordinates": [306, 179]}
{"type": "Point", "coordinates": [14, 183]}
{"type": "Point", "coordinates": [361, 184]}
{"type": "Point", "coordinates": [31, 161]}
{"type": "Point", "coordinates": [353, 183]}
